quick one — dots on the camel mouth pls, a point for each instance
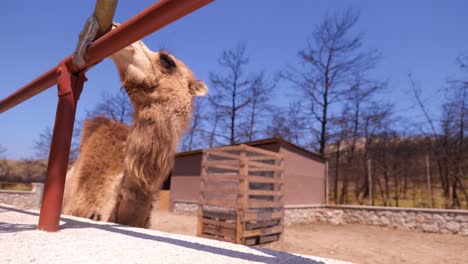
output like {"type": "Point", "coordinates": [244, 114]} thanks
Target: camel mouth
{"type": "Point", "coordinates": [140, 90]}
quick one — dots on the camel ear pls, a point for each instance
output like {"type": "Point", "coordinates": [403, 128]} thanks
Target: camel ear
{"type": "Point", "coordinates": [198, 88]}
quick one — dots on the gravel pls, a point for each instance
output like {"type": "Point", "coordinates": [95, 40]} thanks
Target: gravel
{"type": "Point", "coordinates": [84, 241]}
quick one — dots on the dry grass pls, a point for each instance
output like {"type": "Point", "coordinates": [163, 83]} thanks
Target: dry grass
{"type": "Point", "coordinates": [415, 196]}
{"type": "Point", "coordinates": [25, 171]}
{"type": "Point", "coordinates": [15, 186]}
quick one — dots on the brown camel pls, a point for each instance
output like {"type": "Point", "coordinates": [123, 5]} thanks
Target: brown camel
{"type": "Point", "coordinates": [120, 168]}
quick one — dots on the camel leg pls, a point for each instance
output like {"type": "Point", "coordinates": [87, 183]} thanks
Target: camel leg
{"type": "Point", "coordinates": [134, 205]}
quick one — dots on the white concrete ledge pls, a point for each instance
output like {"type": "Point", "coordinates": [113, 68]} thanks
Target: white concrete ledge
{"type": "Point", "coordinates": [85, 241]}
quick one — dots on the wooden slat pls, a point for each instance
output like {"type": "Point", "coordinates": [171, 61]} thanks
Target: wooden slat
{"type": "Point", "coordinates": [211, 163]}
{"type": "Point", "coordinates": [239, 226]}
{"type": "Point", "coordinates": [218, 202]}
{"type": "Point", "coordinates": [262, 232]}
{"type": "Point", "coordinates": [231, 225]}
{"type": "Point", "coordinates": [215, 177]}
{"type": "Point", "coordinates": [257, 203]}
{"type": "Point", "coordinates": [219, 230]}
{"type": "Point", "coordinates": [224, 154]}
{"type": "Point", "coordinates": [215, 165]}
{"type": "Point", "coordinates": [250, 241]}
{"type": "Point", "coordinates": [264, 179]}
{"type": "Point", "coordinates": [261, 224]}
{"type": "Point", "coordinates": [199, 222]}
{"type": "Point", "coordinates": [265, 169]}
{"type": "Point", "coordinates": [208, 190]}
{"type": "Point", "coordinates": [202, 185]}
{"type": "Point", "coordinates": [264, 192]}
{"type": "Point", "coordinates": [244, 190]}
{"type": "Point", "coordinates": [262, 216]}
{"type": "Point", "coordinates": [227, 239]}
{"type": "Point", "coordinates": [219, 214]}
{"type": "Point", "coordinates": [261, 157]}
{"type": "Point", "coordinates": [262, 165]}
{"type": "Point", "coordinates": [266, 239]}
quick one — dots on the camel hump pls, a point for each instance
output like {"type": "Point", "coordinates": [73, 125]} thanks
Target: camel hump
{"type": "Point", "coordinates": [98, 123]}
{"type": "Point", "coordinates": [91, 125]}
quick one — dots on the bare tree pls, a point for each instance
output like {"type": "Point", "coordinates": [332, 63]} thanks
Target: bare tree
{"type": "Point", "coordinates": [358, 97]}
{"type": "Point", "coordinates": [233, 89]}
{"type": "Point", "coordinates": [339, 133]}
{"type": "Point", "coordinates": [4, 166]}
{"type": "Point", "coordinates": [455, 124]}
{"type": "Point", "coordinates": [114, 106]}
{"type": "Point", "coordinates": [42, 144]}
{"type": "Point", "coordinates": [31, 170]}
{"type": "Point", "coordinates": [330, 61]}
{"type": "Point", "coordinates": [448, 144]}
{"type": "Point", "coordinates": [44, 141]}
{"type": "Point", "coordinates": [288, 124]}
{"type": "Point", "coordinates": [260, 95]}
{"type": "Point", "coordinates": [211, 132]}
{"type": "Point", "coordinates": [358, 101]}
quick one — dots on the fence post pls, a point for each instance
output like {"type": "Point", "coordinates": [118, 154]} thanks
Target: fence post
{"type": "Point", "coordinates": [327, 190]}
{"type": "Point", "coordinates": [369, 175]}
{"type": "Point", "coordinates": [429, 187]}
{"type": "Point", "coordinates": [204, 172]}
{"type": "Point", "coordinates": [244, 190]}
{"type": "Point", "coordinates": [69, 90]}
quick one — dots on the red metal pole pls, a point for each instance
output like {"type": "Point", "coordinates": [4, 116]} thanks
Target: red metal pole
{"type": "Point", "coordinates": [149, 20]}
{"type": "Point", "coordinates": [69, 90]}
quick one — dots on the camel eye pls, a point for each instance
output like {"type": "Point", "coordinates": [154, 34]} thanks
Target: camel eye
{"type": "Point", "coordinates": [166, 61]}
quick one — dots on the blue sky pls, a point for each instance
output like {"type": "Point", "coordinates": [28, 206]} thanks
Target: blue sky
{"type": "Point", "coordinates": [422, 37]}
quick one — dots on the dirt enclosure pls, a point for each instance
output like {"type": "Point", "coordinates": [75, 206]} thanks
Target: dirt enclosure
{"type": "Point", "coordinates": [355, 243]}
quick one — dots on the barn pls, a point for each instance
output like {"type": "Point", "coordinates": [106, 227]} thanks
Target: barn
{"type": "Point", "coordinates": [304, 175]}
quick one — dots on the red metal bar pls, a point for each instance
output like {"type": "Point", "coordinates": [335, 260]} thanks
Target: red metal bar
{"type": "Point", "coordinates": [149, 20]}
{"type": "Point", "coordinates": [40, 84]}
{"type": "Point", "coordinates": [69, 89]}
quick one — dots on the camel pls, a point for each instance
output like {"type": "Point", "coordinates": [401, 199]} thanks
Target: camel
{"type": "Point", "coordinates": [120, 167]}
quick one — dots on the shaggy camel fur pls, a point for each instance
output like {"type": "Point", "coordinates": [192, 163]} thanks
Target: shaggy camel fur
{"type": "Point", "coordinates": [120, 168]}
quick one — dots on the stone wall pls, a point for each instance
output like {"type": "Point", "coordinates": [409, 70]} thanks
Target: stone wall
{"type": "Point", "coordinates": [185, 207]}
{"type": "Point", "coordinates": [25, 199]}
{"type": "Point", "coordinates": [411, 219]}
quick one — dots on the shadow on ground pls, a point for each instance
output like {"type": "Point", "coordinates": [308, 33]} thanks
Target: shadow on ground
{"type": "Point", "coordinates": [273, 256]}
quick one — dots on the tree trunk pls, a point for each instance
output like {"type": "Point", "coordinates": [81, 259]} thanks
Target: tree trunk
{"type": "Point", "coordinates": [344, 188]}
{"type": "Point", "coordinates": [397, 187]}
{"type": "Point", "coordinates": [337, 172]}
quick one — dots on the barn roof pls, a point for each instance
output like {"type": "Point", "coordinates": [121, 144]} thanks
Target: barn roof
{"type": "Point", "coordinates": [277, 140]}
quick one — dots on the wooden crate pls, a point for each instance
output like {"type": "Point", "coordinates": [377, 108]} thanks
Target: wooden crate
{"type": "Point", "coordinates": [241, 195]}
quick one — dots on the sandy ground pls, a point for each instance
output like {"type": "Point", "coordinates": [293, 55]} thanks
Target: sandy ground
{"type": "Point", "coordinates": [356, 243]}
{"type": "Point", "coordinates": [85, 241]}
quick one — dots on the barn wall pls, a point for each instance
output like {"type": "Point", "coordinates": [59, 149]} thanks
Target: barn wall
{"type": "Point", "coordinates": [304, 178]}
{"type": "Point", "coordinates": [185, 179]}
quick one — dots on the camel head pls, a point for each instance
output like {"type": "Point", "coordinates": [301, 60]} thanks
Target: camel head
{"type": "Point", "coordinates": [150, 77]}
{"type": "Point", "coordinates": [162, 90]}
